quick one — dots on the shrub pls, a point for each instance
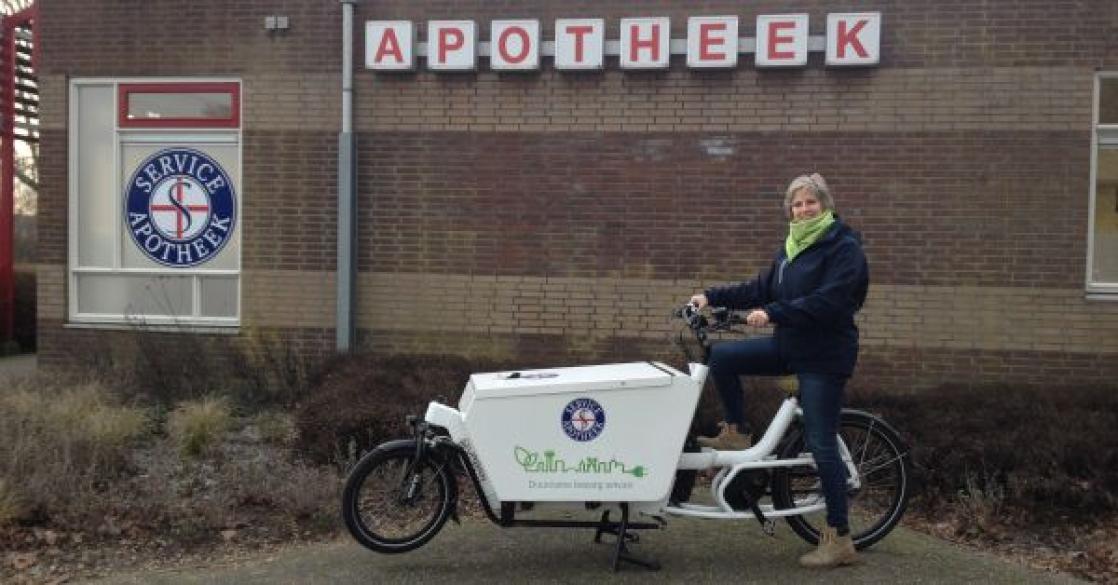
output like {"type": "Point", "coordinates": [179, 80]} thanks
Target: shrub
{"type": "Point", "coordinates": [157, 368]}
{"type": "Point", "coordinates": [268, 370]}
{"type": "Point", "coordinates": [360, 400]}
{"type": "Point", "coordinates": [1029, 455]}
{"type": "Point", "coordinates": [59, 444]}
{"type": "Point", "coordinates": [197, 427]}
{"type": "Point", "coordinates": [257, 369]}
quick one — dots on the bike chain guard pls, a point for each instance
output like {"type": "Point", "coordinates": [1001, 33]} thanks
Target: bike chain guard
{"type": "Point", "coordinates": [744, 492]}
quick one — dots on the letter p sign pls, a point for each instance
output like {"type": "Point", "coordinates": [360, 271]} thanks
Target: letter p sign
{"type": "Point", "coordinates": [452, 45]}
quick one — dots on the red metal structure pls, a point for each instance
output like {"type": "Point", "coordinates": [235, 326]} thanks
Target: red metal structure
{"type": "Point", "coordinates": [19, 116]}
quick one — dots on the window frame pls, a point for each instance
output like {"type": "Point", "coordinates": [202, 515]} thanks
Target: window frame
{"type": "Point", "coordinates": [127, 88]}
{"type": "Point", "coordinates": [1102, 136]}
{"type": "Point", "coordinates": [189, 131]}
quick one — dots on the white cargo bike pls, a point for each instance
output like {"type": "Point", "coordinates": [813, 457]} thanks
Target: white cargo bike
{"type": "Point", "coordinates": [613, 437]}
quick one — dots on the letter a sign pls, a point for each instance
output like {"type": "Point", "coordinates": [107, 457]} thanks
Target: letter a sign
{"type": "Point", "coordinates": [390, 45]}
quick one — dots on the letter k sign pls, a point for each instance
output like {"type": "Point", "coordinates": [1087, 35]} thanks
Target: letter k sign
{"type": "Point", "coordinates": [853, 39]}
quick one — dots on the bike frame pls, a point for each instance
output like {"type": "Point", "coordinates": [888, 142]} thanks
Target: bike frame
{"type": "Point", "coordinates": [759, 456]}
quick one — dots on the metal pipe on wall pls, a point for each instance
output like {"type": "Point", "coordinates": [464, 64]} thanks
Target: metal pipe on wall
{"type": "Point", "coordinates": [7, 175]}
{"type": "Point", "coordinates": [347, 200]}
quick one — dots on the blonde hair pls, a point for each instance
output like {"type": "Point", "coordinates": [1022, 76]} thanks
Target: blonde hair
{"type": "Point", "coordinates": [814, 183]}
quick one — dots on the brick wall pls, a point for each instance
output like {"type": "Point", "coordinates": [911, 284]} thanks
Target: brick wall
{"type": "Point", "coordinates": [556, 217]}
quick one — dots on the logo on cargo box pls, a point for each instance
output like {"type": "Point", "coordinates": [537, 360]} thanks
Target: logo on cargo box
{"type": "Point", "coordinates": [583, 419]}
{"type": "Point", "coordinates": [179, 205]}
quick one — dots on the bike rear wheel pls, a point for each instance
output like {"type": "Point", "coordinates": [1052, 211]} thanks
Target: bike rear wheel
{"type": "Point", "coordinates": [876, 506]}
{"type": "Point", "coordinates": [393, 503]}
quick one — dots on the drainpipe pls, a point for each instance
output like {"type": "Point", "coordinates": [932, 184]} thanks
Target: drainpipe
{"type": "Point", "coordinates": [347, 201]}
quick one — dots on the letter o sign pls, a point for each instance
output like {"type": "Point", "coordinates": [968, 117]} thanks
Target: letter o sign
{"type": "Point", "coordinates": [514, 45]}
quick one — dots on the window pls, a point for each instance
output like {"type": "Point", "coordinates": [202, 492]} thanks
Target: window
{"type": "Point", "coordinates": [177, 105]}
{"type": "Point", "coordinates": [154, 202]}
{"type": "Point", "coordinates": [1102, 250]}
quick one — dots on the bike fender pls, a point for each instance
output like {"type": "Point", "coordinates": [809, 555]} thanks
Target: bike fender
{"type": "Point", "coordinates": [440, 452]}
{"type": "Point", "coordinates": [396, 444]}
{"type": "Point", "coordinates": [441, 415]}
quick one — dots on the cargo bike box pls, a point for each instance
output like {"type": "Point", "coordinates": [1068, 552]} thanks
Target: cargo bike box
{"type": "Point", "coordinates": [605, 433]}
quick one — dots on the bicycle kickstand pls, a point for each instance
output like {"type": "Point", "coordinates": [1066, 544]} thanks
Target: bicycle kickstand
{"type": "Point", "coordinates": [621, 550]}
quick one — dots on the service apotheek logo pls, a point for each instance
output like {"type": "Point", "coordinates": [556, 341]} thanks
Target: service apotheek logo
{"type": "Point", "coordinates": [583, 419]}
{"type": "Point", "coordinates": [180, 207]}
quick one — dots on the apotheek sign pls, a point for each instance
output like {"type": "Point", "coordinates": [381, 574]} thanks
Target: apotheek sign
{"type": "Point", "coordinates": [782, 40]}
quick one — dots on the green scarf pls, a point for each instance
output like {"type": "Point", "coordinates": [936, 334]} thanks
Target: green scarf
{"type": "Point", "coordinates": [804, 233]}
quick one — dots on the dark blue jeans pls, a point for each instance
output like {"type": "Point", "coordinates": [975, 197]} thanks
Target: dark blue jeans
{"type": "Point", "coordinates": [820, 399]}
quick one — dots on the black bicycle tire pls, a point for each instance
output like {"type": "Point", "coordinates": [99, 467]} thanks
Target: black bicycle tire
{"type": "Point", "coordinates": [783, 497]}
{"type": "Point", "coordinates": [446, 486]}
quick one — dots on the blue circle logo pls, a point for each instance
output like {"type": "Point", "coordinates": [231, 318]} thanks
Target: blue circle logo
{"type": "Point", "coordinates": [180, 207]}
{"type": "Point", "coordinates": [583, 419]}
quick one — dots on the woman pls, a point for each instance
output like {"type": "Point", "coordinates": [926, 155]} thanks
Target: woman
{"type": "Point", "coordinates": [810, 293]}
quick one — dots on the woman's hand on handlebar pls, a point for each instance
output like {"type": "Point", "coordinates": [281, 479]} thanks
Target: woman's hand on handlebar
{"type": "Point", "coordinates": [757, 318]}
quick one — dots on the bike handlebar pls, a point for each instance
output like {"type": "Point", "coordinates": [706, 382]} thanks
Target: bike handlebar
{"type": "Point", "coordinates": [721, 318]}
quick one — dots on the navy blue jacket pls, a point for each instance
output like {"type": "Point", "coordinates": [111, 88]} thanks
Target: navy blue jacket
{"type": "Point", "coordinates": [811, 301]}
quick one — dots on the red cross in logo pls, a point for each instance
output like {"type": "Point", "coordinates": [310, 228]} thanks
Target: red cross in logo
{"type": "Point", "coordinates": [178, 208]}
{"type": "Point", "coordinates": [583, 419]}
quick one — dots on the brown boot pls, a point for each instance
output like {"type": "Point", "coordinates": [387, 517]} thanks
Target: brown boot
{"type": "Point", "coordinates": [728, 439]}
{"type": "Point", "coordinates": [833, 551]}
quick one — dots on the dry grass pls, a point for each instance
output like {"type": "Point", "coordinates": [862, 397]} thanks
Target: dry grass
{"type": "Point", "coordinates": [198, 426]}
{"type": "Point", "coordinates": [297, 490]}
{"type": "Point", "coordinates": [76, 461]}
{"type": "Point", "coordinates": [59, 442]}
{"type": "Point", "coordinates": [12, 505]}
{"type": "Point", "coordinates": [982, 499]}
{"type": "Point", "coordinates": [274, 427]}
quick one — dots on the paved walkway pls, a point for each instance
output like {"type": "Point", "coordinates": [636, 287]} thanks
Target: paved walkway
{"type": "Point", "coordinates": [691, 551]}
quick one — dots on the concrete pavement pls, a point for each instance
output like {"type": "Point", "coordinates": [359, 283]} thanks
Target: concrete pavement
{"type": "Point", "coordinates": [691, 551]}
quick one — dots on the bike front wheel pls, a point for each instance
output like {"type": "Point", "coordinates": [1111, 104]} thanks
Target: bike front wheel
{"type": "Point", "coordinates": [394, 503]}
{"type": "Point", "coordinates": [875, 505]}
